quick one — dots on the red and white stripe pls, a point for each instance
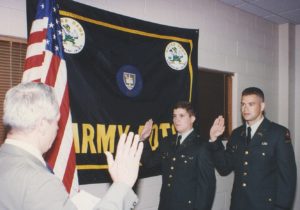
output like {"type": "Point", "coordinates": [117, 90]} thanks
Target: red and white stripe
{"type": "Point", "coordinates": [42, 65]}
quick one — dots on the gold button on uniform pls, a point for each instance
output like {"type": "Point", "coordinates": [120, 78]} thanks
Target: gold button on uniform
{"type": "Point", "coordinates": [264, 154]}
{"type": "Point", "coordinates": [174, 158]}
{"type": "Point", "coordinates": [190, 202]}
{"type": "Point", "coordinates": [169, 185]}
{"type": "Point", "coordinates": [172, 167]}
{"type": "Point", "coordinates": [245, 173]}
{"type": "Point", "coordinates": [270, 199]}
{"type": "Point", "coordinates": [245, 163]}
{"type": "Point", "coordinates": [244, 184]}
{"type": "Point", "coordinates": [246, 152]}
{"type": "Point", "coordinates": [170, 176]}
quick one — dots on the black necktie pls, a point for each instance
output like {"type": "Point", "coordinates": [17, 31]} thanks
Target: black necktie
{"type": "Point", "coordinates": [178, 141]}
{"type": "Point", "coordinates": [248, 135]}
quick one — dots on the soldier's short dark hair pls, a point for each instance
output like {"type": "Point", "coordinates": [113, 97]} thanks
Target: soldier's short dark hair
{"type": "Point", "coordinates": [254, 91]}
{"type": "Point", "coordinates": [185, 105]}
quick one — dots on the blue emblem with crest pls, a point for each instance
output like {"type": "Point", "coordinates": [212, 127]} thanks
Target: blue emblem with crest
{"type": "Point", "coordinates": [129, 80]}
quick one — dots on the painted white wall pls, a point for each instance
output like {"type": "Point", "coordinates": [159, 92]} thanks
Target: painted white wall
{"type": "Point", "coordinates": [283, 73]}
{"type": "Point", "coordinates": [295, 111]}
{"type": "Point", "coordinates": [13, 18]}
{"type": "Point", "coordinates": [229, 40]}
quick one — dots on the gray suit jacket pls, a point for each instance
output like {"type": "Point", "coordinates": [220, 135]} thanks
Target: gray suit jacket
{"type": "Point", "coordinates": [26, 183]}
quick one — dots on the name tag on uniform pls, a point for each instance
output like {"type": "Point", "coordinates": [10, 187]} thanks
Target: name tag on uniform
{"type": "Point", "coordinates": [260, 134]}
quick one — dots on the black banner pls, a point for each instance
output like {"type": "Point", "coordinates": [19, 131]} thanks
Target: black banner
{"type": "Point", "coordinates": [121, 72]}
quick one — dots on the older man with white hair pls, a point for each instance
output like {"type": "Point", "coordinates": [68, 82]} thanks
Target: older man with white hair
{"type": "Point", "coordinates": [31, 115]}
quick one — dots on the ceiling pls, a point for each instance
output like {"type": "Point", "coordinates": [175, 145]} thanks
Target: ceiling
{"type": "Point", "coordinates": [276, 11]}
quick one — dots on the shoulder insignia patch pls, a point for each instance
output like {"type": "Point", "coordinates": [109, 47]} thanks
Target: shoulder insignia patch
{"type": "Point", "coordinates": [287, 138]}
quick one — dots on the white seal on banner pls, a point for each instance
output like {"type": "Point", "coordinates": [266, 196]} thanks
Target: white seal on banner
{"type": "Point", "coordinates": [176, 56]}
{"type": "Point", "coordinates": [73, 35]}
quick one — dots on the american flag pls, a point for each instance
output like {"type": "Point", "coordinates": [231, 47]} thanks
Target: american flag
{"type": "Point", "coordinates": [45, 63]}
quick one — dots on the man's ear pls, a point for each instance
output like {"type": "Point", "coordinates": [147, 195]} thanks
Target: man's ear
{"type": "Point", "coordinates": [193, 118]}
{"type": "Point", "coordinates": [262, 107]}
{"type": "Point", "coordinates": [42, 126]}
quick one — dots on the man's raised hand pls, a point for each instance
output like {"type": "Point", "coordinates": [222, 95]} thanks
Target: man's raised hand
{"type": "Point", "coordinates": [146, 130]}
{"type": "Point", "coordinates": [217, 128]}
{"type": "Point", "coordinates": [124, 168]}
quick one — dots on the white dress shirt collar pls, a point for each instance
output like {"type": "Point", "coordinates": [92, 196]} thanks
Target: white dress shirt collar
{"type": "Point", "coordinates": [254, 127]}
{"type": "Point", "coordinates": [184, 135]}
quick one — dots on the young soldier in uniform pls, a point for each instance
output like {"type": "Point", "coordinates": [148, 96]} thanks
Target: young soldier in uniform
{"type": "Point", "coordinates": [261, 155]}
{"type": "Point", "coordinates": [188, 176]}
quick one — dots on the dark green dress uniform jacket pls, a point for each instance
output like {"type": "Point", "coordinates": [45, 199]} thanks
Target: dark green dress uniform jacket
{"type": "Point", "coordinates": [188, 175]}
{"type": "Point", "coordinates": [264, 171]}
